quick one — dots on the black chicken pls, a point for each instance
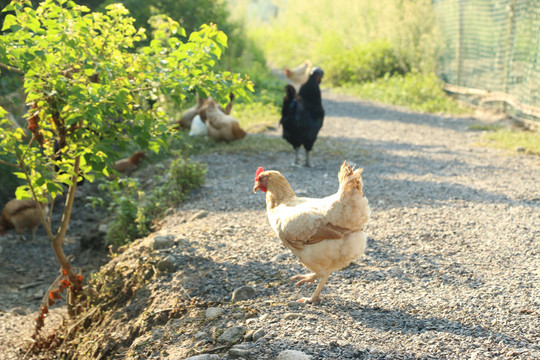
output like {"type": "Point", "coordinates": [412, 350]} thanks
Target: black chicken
{"type": "Point", "coordinates": [302, 115]}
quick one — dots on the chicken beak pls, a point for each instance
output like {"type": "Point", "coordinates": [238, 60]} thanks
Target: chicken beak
{"type": "Point", "coordinates": [256, 187]}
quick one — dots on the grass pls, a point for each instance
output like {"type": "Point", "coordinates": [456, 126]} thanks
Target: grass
{"type": "Point", "coordinates": [256, 117]}
{"type": "Point", "coordinates": [513, 140]}
{"type": "Point", "coordinates": [252, 143]}
{"type": "Point", "coordinates": [484, 127]}
{"type": "Point", "coordinates": [417, 91]}
{"type": "Point", "coordinates": [259, 143]}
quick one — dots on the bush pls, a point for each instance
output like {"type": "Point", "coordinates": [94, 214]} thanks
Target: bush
{"type": "Point", "coordinates": [135, 211]}
{"type": "Point", "coordinates": [320, 29]}
{"type": "Point", "coordinates": [417, 91]}
{"type": "Point", "coordinates": [364, 63]}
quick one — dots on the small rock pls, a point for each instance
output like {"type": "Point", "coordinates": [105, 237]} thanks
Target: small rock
{"type": "Point", "coordinates": [258, 334]}
{"type": "Point", "coordinates": [290, 316]}
{"type": "Point", "coordinates": [520, 149]}
{"type": "Point", "coordinates": [243, 293]}
{"type": "Point", "coordinates": [236, 353]}
{"type": "Point", "coordinates": [232, 335]}
{"type": "Point", "coordinates": [295, 304]}
{"type": "Point", "coordinates": [201, 214]}
{"type": "Point", "coordinates": [292, 355]}
{"type": "Point", "coordinates": [167, 264]}
{"type": "Point", "coordinates": [250, 321]}
{"type": "Point", "coordinates": [204, 357]}
{"type": "Point", "coordinates": [19, 310]}
{"type": "Point", "coordinates": [163, 242]}
{"type": "Point", "coordinates": [243, 346]}
{"type": "Point", "coordinates": [201, 335]}
{"type": "Point", "coordinates": [237, 316]}
{"type": "Point", "coordinates": [214, 312]}
{"type": "Point", "coordinates": [249, 335]}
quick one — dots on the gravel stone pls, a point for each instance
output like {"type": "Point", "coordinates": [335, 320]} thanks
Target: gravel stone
{"type": "Point", "coordinates": [292, 355]}
{"type": "Point", "coordinates": [243, 293]}
{"type": "Point", "coordinates": [258, 334]}
{"type": "Point", "coordinates": [232, 335]}
{"type": "Point", "coordinates": [214, 312]}
{"type": "Point", "coordinates": [163, 242]}
{"type": "Point", "coordinates": [235, 353]}
{"type": "Point", "coordinates": [204, 357]}
{"type": "Point", "coordinates": [450, 271]}
{"type": "Point", "coordinates": [167, 264]}
{"type": "Point", "coordinates": [201, 214]}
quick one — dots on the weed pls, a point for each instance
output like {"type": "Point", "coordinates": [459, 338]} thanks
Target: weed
{"type": "Point", "coordinates": [135, 211]}
{"type": "Point", "coordinates": [514, 140]}
{"type": "Point", "coordinates": [364, 63]}
{"type": "Point", "coordinates": [484, 127]}
{"type": "Point", "coordinates": [417, 91]}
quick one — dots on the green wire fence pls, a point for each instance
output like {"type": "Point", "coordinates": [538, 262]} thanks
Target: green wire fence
{"type": "Point", "coordinates": [491, 52]}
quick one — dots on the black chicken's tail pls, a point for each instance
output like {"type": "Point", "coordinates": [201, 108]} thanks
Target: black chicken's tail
{"type": "Point", "coordinates": [288, 102]}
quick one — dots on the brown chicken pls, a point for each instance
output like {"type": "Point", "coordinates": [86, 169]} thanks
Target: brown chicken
{"type": "Point", "coordinates": [21, 215]}
{"type": "Point", "coordinates": [220, 126]}
{"type": "Point", "coordinates": [187, 116]}
{"type": "Point", "coordinates": [129, 165]}
{"type": "Point", "coordinates": [326, 234]}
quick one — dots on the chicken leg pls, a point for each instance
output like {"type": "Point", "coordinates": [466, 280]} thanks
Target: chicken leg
{"type": "Point", "coordinates": [307, 164]}
{"type": "Point", "coordinates": [316, 296]}
{"type": "Point", "coordinates": [296, 156]}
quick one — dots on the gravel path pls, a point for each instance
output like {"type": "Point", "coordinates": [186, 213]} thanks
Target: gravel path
{"type": "Point", "coordinates": [452, 269]}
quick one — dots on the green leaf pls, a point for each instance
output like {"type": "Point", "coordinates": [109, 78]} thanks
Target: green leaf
{"type": "Point", "coordinates": [40, 181]}
{"type": "Point", "coordinates": [23, 192]}
{"type": "Point", "coordinates": [9, 21]}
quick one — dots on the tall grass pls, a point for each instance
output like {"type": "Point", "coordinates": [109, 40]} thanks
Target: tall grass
{"type": "Point", "coordinates": [417, 91]}
{"type": "Point", "coordinates": [382, 50]}
{"type": "Point", "coordinates": [321, 29]}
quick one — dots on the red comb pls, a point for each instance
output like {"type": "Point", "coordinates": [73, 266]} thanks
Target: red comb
{"type": "Point", "coordinates": [259, 171]}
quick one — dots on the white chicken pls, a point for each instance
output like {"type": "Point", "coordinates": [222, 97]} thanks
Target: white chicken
{"type": "Point", "coordinates": [326, 234]}
{"type": "Point", "coordinates": [298, 75]}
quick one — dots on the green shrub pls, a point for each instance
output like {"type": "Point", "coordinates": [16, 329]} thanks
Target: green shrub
{"type": "Point", "coordinates": [320, 29]}
{"type": "Point", "coordinates": [417, 91]}
{"type": "Point", "coordinates": [134, 210]}
{"type": "Point", "coordinates": [124, 207]}
{"type": "Point", "coordinates": [364, 63]}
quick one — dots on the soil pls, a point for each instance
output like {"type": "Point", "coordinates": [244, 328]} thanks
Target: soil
{"type": "Point", "coordinates": [451, 270]}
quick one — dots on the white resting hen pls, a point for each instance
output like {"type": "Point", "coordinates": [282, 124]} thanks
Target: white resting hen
{"type": "Point", "coordinates": [326, 234]}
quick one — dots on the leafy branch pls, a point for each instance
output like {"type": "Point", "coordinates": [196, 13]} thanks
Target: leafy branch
{"type": "Point", "coordinates": [84, 98]}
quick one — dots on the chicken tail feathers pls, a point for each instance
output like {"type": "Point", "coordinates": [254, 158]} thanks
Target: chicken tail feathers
{"type": "Point", "coordinates": [349, 178]}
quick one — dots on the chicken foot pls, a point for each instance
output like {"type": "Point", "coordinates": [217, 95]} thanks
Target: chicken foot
{"type": "Point", "coordinates": [297, 158]}
{"type": "Point", "coordinates": [304, 278]}
{"type": "Point", "coordinates": [316, 296]}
